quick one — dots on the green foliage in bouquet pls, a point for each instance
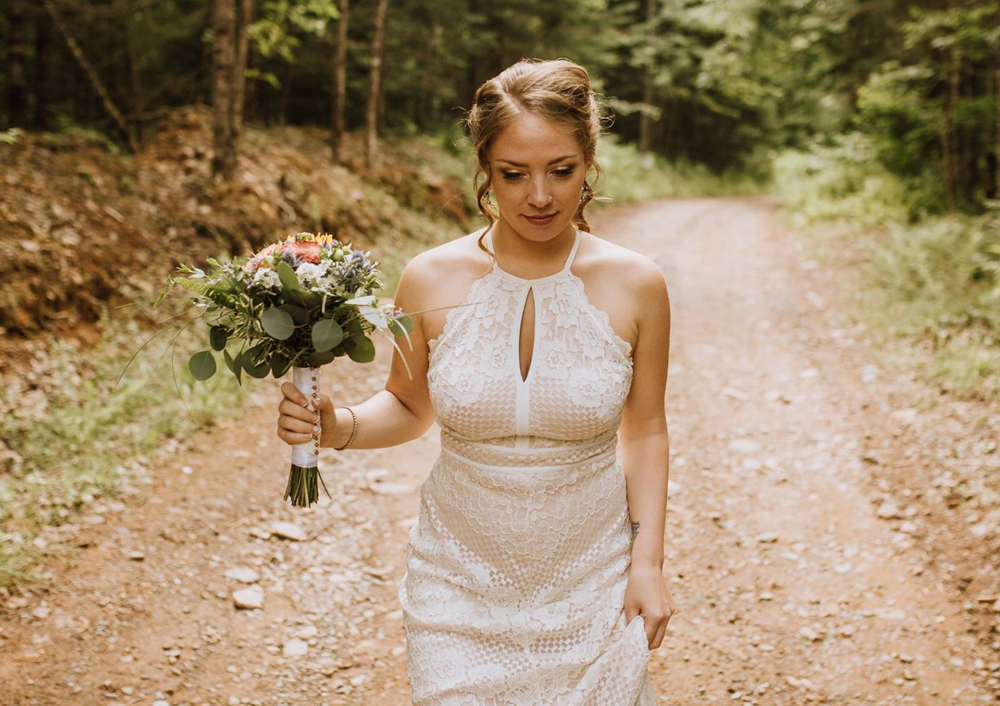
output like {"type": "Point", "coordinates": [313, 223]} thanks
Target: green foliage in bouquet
{"type": "Point", "coordinates": [301, 302]}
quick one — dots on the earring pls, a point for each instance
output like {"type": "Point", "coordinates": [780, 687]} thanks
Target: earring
{"type": "Point", "coordinates": [588, 192]}
{"type": "Point", "coordinates": [488, 198]}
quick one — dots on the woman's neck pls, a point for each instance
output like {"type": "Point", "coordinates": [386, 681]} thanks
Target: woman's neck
{"type": "Point", "coordinates": [539, 257]}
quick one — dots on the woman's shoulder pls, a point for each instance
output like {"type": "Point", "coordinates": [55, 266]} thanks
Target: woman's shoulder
{"type": "Point", "coordinates": [605, 259]}
{"type": "Point", "coordinates": [448, 257]}
{"type": "Point", "coordinates": [440, 272]}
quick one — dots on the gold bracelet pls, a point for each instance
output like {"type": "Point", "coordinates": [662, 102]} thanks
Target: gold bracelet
{"type": "Point", "coordinates": [354, 431]}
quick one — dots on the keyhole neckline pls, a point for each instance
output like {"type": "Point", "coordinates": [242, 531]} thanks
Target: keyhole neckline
{"type": "Point", "coordinates": [535, 280]}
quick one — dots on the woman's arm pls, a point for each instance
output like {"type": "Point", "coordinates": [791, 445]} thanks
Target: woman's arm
{"type": "Point", "coordinates": [402, 411]}
{"type": "Point", "coordinates": [399, 413]}
{"type": "Point", "coordinates": [645, 444]}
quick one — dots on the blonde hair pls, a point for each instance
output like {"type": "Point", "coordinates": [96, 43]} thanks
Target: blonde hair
{"type": "Point", "coordinates": [558, 90]}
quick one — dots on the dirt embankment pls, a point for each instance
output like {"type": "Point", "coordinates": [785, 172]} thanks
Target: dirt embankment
{"type": "Point", "coordinates": [81, 227]}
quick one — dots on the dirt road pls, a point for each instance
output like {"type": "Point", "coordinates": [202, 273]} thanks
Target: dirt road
{"type": "Point", "coordinates": [812, 547]}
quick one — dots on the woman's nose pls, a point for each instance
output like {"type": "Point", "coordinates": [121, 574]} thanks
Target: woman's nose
{"type": "Point", "coordinates": [539, 197]}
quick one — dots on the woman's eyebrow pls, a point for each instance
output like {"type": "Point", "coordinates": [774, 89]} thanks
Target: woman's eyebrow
{"type": "Point", "coordinates": [518, 164]}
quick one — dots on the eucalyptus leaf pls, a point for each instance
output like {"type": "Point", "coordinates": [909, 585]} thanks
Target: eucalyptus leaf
{"type": "Point", "coordinates": [278, 323]}
{"type": "Point", "coordinates": [363, 351]}
{"type": "Point", "coordinates": [217, 336]}
{"type": "Point", "coordinates": [403, 322]}
{"type": "Point", "coordinates": [230, 363]}
{"type": "Point", "coordinates": [299, 315]}
{"type": "Point", "coordinates": [202, 365]}
{"type": "Point", "coordinates": [321, 357]}
{"type": "Point", "coordinates": [326, 334]}
{"type": "Point", "coordinates": [257, 370]}
{"type": "Point", "coordinates": [279, 365]}
{"type": "Point", "coordinates": [367, 299]}
{"type": "Point", "coordinates": [304, 298]}
{"type": "Point", "coordinates": [373, 316]}
{"type": "Point", "coordinates": [289, 282]}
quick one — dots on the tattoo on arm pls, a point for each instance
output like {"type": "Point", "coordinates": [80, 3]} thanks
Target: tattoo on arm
{"type": "Point", "coordinates": [635, 530]}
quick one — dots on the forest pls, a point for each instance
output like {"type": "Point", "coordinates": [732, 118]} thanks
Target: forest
{"type": "Point", "coordinates": [724, 83]}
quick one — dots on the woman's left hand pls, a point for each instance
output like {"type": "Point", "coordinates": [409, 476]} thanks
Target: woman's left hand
{"type": "Point", "coordinates": [646, 594]}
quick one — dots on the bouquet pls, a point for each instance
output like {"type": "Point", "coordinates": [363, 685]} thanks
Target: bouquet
{"type": "Point", "coordinates": [296, 304]}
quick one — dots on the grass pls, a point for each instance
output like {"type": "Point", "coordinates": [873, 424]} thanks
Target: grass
{"type": "Point", "coordinates": [75, 433]}
{"type": "Point", "coordinates": [928, 282]}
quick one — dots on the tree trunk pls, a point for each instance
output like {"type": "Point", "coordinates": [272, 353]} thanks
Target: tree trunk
{"type": "Point", "coordinates": [223, 77]}
{"type": "Point", "coordinates": [946, 148]}
{"type": "Point", "coordinates": [996, 104]}
{"type": "Point", "coordinates": [339, 88]}
{"type": "Point", "coordinates": [645, 120]}
{"type": "Point", "coordinates": [95, 81]}
{"type": "Point", "coordinates": [285, 97]}
{"type": "Point", "coordinates": [381, 93]}
{"type": "Point", "coordinates": [17, 61]}
{"type": "Point", "coordinates": [230, 19]}
{"type": "Point", "coordinates": [375, 84]}
{"type": "Point", "coordinates": [43, 40]}
{"type": "Point", "coordinates": [421, 108]}
{"type": "Point", "coordinates": [244, 17]}
{"type": "Point", "coordinates": [134, 76]}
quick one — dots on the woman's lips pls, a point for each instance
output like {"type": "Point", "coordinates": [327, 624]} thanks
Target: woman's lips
{"type": "Point", "coordinates": [540, 221]}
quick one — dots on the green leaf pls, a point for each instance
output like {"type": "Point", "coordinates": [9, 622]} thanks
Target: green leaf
{"type": "Point", "coordinates": [238, 364]}
{"type": "Point", "coordinates": [304, 298]}
{"type": "Point", "coordinates": [367, 299]}
{"type": "Point", "coordinates": [278, 323]}
{"type": "Point", "coordinates": [326, 334]}
{"type": "Point", "coordinates": [230, 363]}
{"type": "Point", "coordinates": [299, 315]}
{"type": "Point", "coordinates": [403, 322]}
{"type": "Point", "coordinates": [289, 282]}
{"type": "Point", "coordinates": [321, 357]}
{"type": "Point", "coordinates": [373, 316]}
{"type": "Point", "coordinates": [279, 365]}
{"type": "Point", "coordinates": [363, 351]}
{"type": "Point", "coordinates": [217, 336]}
{"type": "Point", "coordinates": [202, 365]}
{"type": "Point", "coordinates": [257, 370]}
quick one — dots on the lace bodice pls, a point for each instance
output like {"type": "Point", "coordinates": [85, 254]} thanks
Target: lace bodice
{"type": "Point", "coordinates": [580, 372]}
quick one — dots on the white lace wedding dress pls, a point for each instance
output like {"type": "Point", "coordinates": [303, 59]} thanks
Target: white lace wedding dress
{"type": "Point", "coordinates": [517, 565]}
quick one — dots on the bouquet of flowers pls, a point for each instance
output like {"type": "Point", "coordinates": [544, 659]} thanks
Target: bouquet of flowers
{"type": "Point", "coordinates": [296, 304]}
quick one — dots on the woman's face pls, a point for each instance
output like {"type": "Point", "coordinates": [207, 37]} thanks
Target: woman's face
{"type": "Point", "coordinates": [538, 169]}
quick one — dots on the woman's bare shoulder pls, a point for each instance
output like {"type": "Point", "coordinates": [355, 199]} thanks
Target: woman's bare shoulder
{"type": "Point", "coordinates": [448, 262]}
{"type": "Point", "coordinates": [607, 259]}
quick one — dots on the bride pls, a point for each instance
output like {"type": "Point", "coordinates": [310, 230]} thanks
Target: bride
{"type": "Point", "coordinates": [534, 573]}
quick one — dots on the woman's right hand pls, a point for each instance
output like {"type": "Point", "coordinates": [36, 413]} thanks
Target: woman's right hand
{"type": "Point", "coordinates": [297, 423]}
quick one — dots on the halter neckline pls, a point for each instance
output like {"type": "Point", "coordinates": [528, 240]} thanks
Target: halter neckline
{"type": "Point", "coordinates": [535, 280]}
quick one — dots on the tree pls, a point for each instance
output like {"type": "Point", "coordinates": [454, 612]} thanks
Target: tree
{"type": "Point", "coordinates": [17, 59]}
{"type": "Point", "coordinates": [96, 84]}
{"type": "Point", "coordinates": [375, 84]}
{"type": "Point", "coordinates": [338, 90]}
{"type": "Point", "coordinates": [230, 20]}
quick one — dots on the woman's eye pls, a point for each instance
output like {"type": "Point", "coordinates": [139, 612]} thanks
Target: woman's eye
{"type": "Point", "coordinates": [513, 176]}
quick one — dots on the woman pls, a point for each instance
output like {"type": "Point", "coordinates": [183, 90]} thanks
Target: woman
{"type": "Point", "coordinates": [525, 581]}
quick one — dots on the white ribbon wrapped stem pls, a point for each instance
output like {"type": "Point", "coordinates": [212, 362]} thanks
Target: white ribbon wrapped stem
{"type": "Point", "coordinates": [307, 380]}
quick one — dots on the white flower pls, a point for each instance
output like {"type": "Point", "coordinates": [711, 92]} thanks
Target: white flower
{"type": "Point", "coordinates": [311, 275]}
{"type": "Point", "coordinates": [266, 278]}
